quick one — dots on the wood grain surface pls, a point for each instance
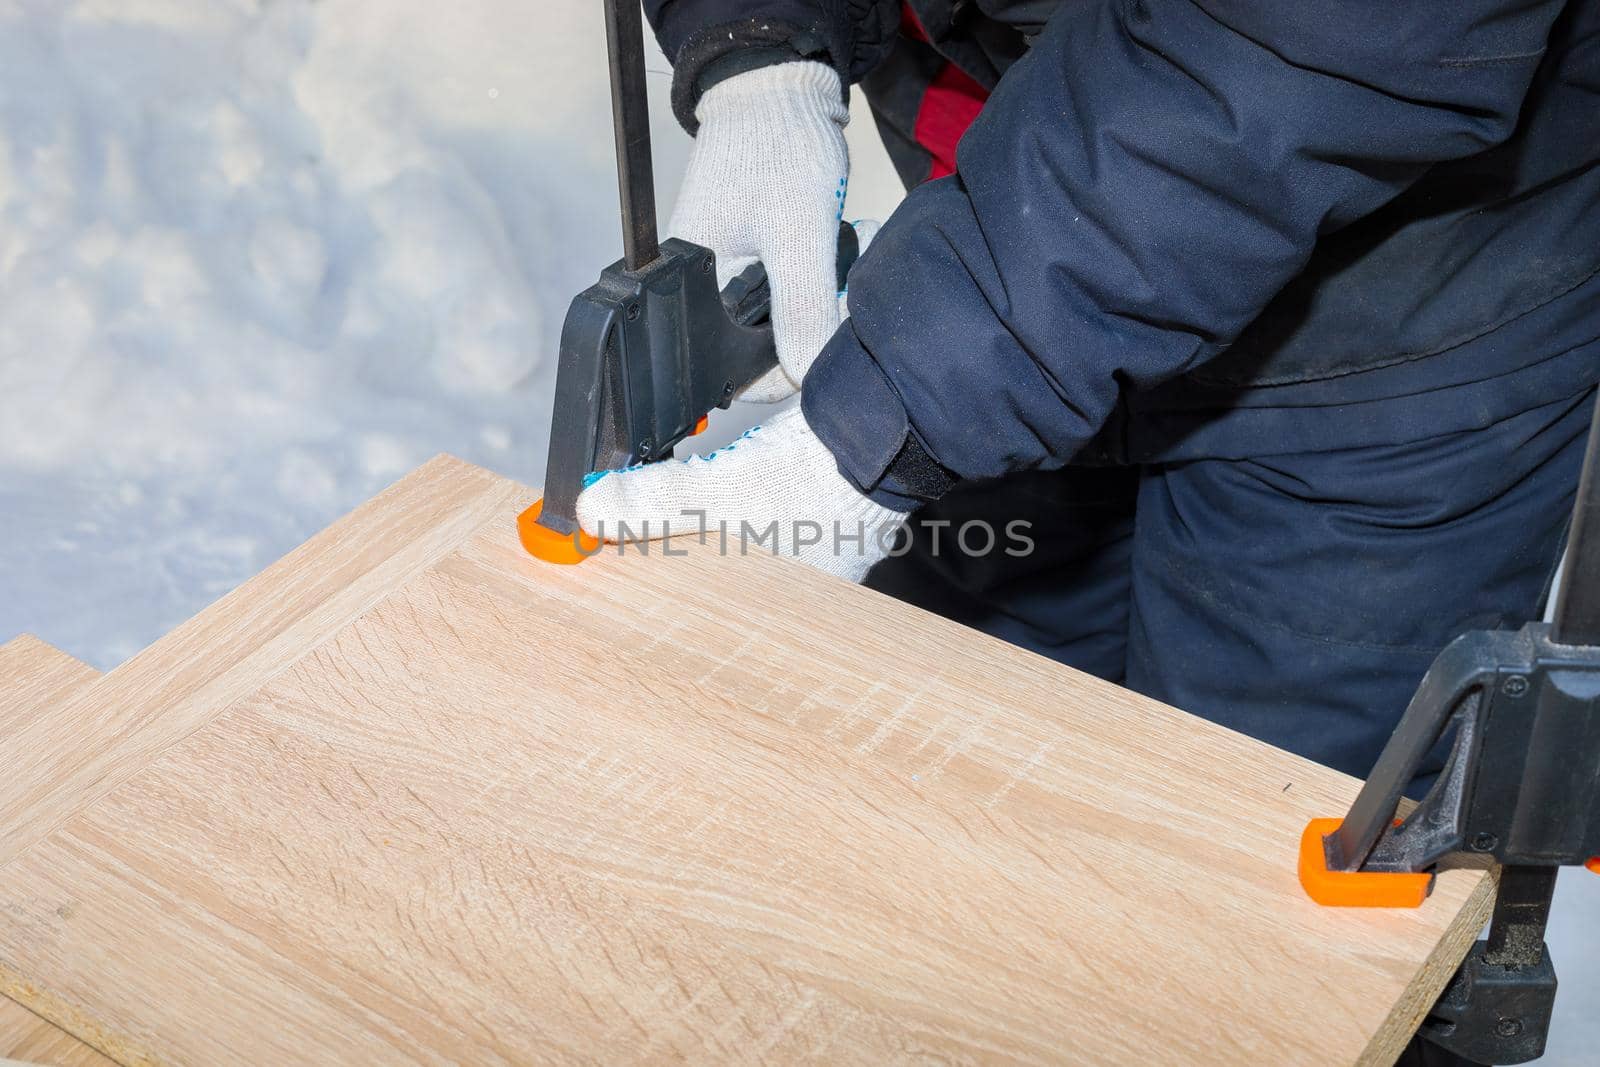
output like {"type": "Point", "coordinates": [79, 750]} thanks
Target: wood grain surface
{"type": "Point", "coordinates": [704, 807]}
{"type": "Point", "coordinates": [107, 731]}
{"type": "Point", "coordinates": [34, 679]}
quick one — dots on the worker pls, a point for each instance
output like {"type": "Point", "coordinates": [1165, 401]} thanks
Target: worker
{"type": "Point", "coordinates": [1271, 329]}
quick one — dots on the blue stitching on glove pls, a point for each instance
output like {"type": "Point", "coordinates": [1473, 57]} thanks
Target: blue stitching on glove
{"type": "Point", "coordinates": [729, 447]}
{"type": "Point", "coordinates": [594, 476]}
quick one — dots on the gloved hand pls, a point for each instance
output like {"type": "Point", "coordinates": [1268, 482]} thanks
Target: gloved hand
{"type": "Point", "coordinates": [766, 180]}
{"type": "Point", "coordinates": [775, 490]}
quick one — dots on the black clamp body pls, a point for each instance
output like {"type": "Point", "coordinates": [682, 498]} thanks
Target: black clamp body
{"type": "Point", "coordinates": [1522, 783]}
{"type": "Point", "coordinates": [645, 354]}
{"type": "Point", "coordinates": [1520, 788]}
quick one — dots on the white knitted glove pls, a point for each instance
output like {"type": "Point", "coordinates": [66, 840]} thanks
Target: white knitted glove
{"type": "Point", "coordinates": [766, 180]}
{"type": "Point", "coordinates": [776, 490]}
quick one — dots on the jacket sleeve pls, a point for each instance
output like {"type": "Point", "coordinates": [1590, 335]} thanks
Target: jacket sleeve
{"type": "Point", "coordinates": [709, 40]}
{"type": "Point", "coordinates": [1137, 189]}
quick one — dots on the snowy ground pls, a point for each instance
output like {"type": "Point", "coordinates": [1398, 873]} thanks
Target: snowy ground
{"type": "Point", "coordinates": [260, 257]}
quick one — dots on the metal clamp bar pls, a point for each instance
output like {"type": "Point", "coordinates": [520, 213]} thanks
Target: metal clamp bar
{"type": "Point", "coordinates": [1577, 620]}
{"type": "Point", "coordinates": [630, 118]}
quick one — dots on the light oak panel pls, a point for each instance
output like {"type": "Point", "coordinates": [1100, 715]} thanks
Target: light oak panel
{"type": "Point", "coordinates": [704, 807]}
{"type": "Point", "coordinates": [34, 678]}
{"type": "Point", "coordinates": [102, 734]}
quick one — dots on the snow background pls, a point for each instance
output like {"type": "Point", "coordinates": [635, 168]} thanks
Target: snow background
{"type": "Point", "coordinates": [258, 258]}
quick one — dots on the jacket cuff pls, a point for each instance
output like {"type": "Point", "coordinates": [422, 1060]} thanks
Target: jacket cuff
{"type": "Point", "coordinates": [717, 53]}
{"type": "Point", "coordinates": [851, 407]}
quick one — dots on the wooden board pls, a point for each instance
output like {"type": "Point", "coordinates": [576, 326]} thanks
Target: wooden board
{"type": "Point", "coordinates": [34, 679]}
{"type": "Point", "coordinates": [104, 733]}
{"type": "Point", "coordinates": [703, 807]}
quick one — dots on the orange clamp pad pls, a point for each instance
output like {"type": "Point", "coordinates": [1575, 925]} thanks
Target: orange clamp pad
{"type": "Point", "coordinates": [1354, 889]}
{"type": "Point", "coordinates": [1593, 866]}
{"type": "Point", "coordinates": [549, 545]}
{"type": "Point", "coordinates": [700, 427]}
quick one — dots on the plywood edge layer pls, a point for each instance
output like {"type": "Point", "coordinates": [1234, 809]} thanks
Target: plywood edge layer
{"type": "Point", "coordinates": [99, 1046]}
{"type": "Point", "coordinates": [108, 731]}
{"type": "Point", "coordinates": [1436, 972]}
{"type": "Point", "coordinates": [27, 1037]}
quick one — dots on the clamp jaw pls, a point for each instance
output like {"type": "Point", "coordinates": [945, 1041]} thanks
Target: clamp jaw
{"type": "Point", "coordinates": [1520, 788]}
